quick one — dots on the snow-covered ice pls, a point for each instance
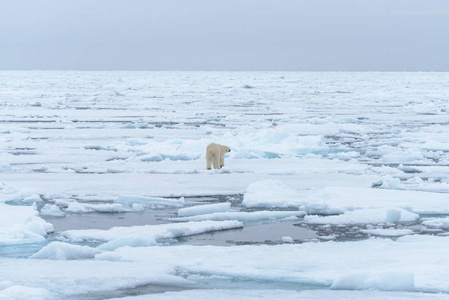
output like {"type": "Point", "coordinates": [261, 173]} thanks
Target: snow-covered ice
{"type": "Point", "coordinates": [64, 251]}
{"type": "Point", "coordinates": [51, 210]}
{"type": "Point", "coordinates": [242, 216]}
{"type": "Point", "coordinates": [359, 160]}
{"type": "Point", "coordinates": [365, 216]}
{"type": "Point", "coordinates": [388, 232]}
{"type": "Point", "coordinates": [149, 235]}
{"type": "Point", "coordinates": [204, 209]}
{"type": "Point", "coordinates": [21, 224]}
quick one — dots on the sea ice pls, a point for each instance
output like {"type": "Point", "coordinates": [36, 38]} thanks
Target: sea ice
{"type": "Point", "coordinates": [314, 142]}
{"type": "Point", "coordinates": [130, 200]}
{"type": "Point", "coordinates": [271, 193]}
{"type": "Point", "coordinates": [338, 199]}
{"type": "Point", "coordinates": [21, 224]}
{"type": "Point", "coordinates": [250, 294]}
{"type": "Point", "coordinates": [64, 251]}
{"type": "Point", "coordinates": [388, 232]}
{"type": "Point", "coordinates": [386, 281]}
{"type": "Point", "coordinates": [204, 209]}
{"type": "Point", "coordinates": [365, 216]}
{"type": "Point", "coordinates": [243, 216]}
{"type": "Point", "coordinates": [149, 235]}
{"type": "Point", "coordinates": [442, 223]}
{"type": "Point", "coordinates": [51, 210]}
{"type": "Point", "coordinates": [18, 292]}
{"type": "Point", "coordinates": [80, 208]}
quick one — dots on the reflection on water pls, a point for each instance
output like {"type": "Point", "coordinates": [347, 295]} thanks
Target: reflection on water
{"type": "Point", "coordinates": [257, 233]}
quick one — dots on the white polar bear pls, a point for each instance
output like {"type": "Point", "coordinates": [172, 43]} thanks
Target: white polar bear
{"type": "Point", "coordinates": [215, 155]}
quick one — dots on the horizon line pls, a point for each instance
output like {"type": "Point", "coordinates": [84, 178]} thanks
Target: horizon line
{"type": "Point", "coordinates": [175, 70]}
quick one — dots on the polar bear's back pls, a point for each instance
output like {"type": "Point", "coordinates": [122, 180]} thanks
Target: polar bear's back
{"type": "Point", "coordinates": [213, 149]}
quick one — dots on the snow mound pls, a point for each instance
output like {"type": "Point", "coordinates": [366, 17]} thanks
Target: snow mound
{"type": "Point", "coordinates": [21, 224]}
{"type": "Point", "coordinates": [386, 281]}
{"type": "Point", "coordinates": [64, 251]}
{"type": "Point", "coordinates": [149, 235]}
{"type": "Point", "coordinates": [204, 209]}
{"type": "Point", "coordinates": [366, 216]}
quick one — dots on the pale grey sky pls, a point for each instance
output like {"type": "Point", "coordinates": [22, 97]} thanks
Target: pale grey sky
{"type": "Point", "coordinates": [296, 35]}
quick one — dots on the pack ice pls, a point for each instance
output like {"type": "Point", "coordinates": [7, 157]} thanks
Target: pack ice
{"type": "Point", "coordinates": [104, 191]}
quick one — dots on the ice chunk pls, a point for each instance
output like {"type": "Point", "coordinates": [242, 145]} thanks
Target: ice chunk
{"type": "Point", "coordinates": [76, 207]}
{"type": "Point", "coordinates": [130, 200]}
{"type": "Point", "coordinates": [21, 224]}
{"type": "Point", "coordinates": [393, 216]}
{"type": "Point", "coordinates": [435, 146]}
{"type": "Point", "coordinates": [386, 281]}
{"type": "Point", "coordinates": [442, 223]}
{"type": "Point", "coordinates": [151, 157]}
{"type": "Point", "coordinates": [287, 239]}
{"type": "Point", "coordinates": [388, 232]}
{"type": "Point", "coordinates": [403, 156]}
{"type": "Point", "coordinates": [52, 210]}
{"type": "Point", "coordinates": [204, 209]}
{"type": "Point", "coordinates": [64, 251]}
{"type": "Point", "coordinates": [243, 216]}
{"type": "Point", "coordinates": [141, 236]}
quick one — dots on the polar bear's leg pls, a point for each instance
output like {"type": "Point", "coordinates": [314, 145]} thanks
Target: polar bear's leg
{"type": "Point", "coordinates": [221, 159]}
{"type": "Point", "coordinates": [216, 161]}
{"type": "Point", "coordinates": [209, 159]}
{"type": "Point", "coordinates": [210, 155]}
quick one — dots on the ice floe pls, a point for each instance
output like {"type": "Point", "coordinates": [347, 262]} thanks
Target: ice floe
{"type": "Point", "coordinates": [204, 209]}
{"type": "Point", "coordinates": [65, 251]}
{"type": "Point", "coordinates": [22, 224]}
{"type": "Point", "coordinates": [442, 223]}
{"type": "Point", "coordinates": [335, 199]}
{"type": "Point", "coordinates": [52, 210]}
{"type": "Point", "coordinates": [366, 216]}
{"type": "Point", "coordinates": [149, 235]}
{"type": "Point", "coordinates": [242, 216]}
{"type": "Point", "coordinates": [388, 232]}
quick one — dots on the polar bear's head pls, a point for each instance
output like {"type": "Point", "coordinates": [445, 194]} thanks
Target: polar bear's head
{"type": "Point", "coordinates": [227, 149]}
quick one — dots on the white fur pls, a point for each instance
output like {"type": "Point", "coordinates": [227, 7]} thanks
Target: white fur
{"type": "Point", "coordinates": [215, 155]}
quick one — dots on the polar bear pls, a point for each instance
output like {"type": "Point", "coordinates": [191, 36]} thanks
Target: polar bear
{"type": "Point", "coordinates": [215, 155]}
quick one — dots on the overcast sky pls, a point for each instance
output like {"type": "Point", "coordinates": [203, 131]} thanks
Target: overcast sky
{"type": "Point", "coordinates": [297, 35]}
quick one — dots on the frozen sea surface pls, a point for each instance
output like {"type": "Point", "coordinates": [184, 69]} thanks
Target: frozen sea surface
{"type": "Point", "coordinates": [337, 185]}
